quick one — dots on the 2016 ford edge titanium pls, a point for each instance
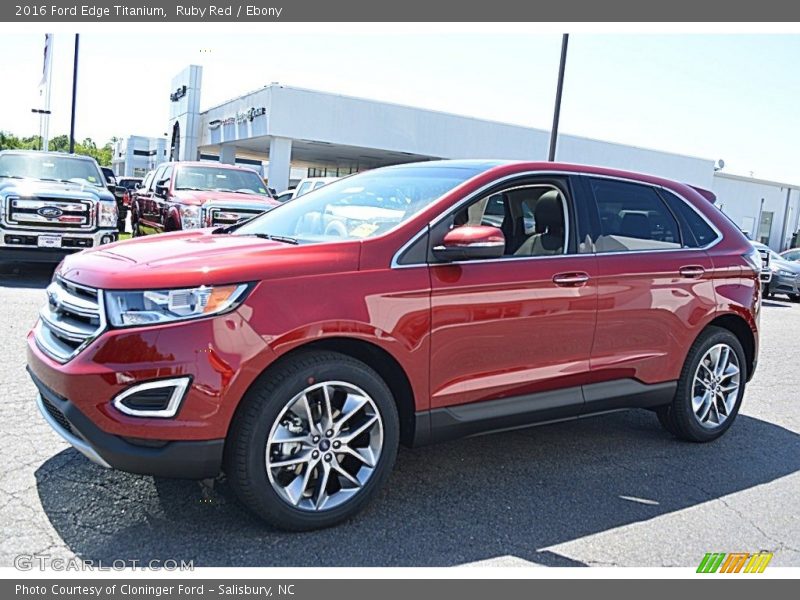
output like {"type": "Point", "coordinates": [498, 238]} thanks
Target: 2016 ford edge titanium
{"type": "Point", "coordinates": [412, 304]}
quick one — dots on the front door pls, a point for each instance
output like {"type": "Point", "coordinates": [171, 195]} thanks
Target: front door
{"type": "Point", "coordinates": [516, 329]}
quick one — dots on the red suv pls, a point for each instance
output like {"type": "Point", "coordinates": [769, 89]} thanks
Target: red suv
{"type": "Point", "coordinates": [412, 304]}
{"type": "Point", "coordinates": [191, 195]}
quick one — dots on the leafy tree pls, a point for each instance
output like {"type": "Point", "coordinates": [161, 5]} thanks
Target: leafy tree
{"type": "Point", "coordinates": [59, 143]}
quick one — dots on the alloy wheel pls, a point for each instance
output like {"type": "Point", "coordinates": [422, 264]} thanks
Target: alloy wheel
{"type": "Point", "coordinates": [324, 446]}
{"type": "Point", "coordinates": [715, 387]}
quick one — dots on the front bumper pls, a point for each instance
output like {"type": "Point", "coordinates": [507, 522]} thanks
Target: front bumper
{"type": "Point", "coordinates": [23, 244]}
{"type": "Point", "coordinates": [176, 459]}
{"type": "Point", "coordinates": [784, 284]}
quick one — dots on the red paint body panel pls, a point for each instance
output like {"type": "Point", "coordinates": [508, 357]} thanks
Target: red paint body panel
{"type": "Point", "coordinates": [461, 332]}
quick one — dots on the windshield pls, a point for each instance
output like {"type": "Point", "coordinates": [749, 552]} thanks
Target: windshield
{"type": "Point", "coordinates": [219, 179]}
{"type": "Point", "coordinates": [360, 206]}
{"type": "Point", "coordinates": [49, 167]}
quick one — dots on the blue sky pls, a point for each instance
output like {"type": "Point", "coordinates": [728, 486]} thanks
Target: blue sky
{"type": "Point", "coordinates": [717, 96]}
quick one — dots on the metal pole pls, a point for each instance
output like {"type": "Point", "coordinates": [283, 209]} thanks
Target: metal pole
{"type": "Point", "coordinates": [557, 111]}
{"type": "Point", "coordinates": [74, 95]}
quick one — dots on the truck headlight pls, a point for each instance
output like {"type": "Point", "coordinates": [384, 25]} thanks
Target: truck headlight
{"type": "Point", "coordinates": [191, 217]}
{"type": "Point", "coordinates": [127, 308]}
{"type": "Point", "coordinates": [106, 214]}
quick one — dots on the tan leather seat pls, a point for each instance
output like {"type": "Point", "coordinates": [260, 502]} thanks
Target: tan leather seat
{"type": "Point", "coordinates": [549, 236]}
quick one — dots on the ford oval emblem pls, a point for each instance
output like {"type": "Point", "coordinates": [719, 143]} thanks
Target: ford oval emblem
{"type": "Point", "coordinates": [50, 212]}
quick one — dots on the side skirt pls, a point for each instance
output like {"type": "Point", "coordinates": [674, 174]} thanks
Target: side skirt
{"type": "Point", "coordinates": [492, 416]}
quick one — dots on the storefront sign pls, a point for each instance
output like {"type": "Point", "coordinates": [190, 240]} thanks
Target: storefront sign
{"type": "Point", "coordinates": [178, 94]}
{"type": "Point", "coordinates": [239, 117]}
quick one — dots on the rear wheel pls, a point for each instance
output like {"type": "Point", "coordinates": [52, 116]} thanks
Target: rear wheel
{"type": "Point", "coordinates": [313, 442]}
{"type": "Point", "coordinates": [710, 388]}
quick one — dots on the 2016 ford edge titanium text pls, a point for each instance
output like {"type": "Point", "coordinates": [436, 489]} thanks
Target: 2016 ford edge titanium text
{"type": "Point", "coordinates": [411, 304]}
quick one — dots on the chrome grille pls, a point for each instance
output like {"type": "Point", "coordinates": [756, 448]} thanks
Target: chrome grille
{"type": "Point", "coordinates": [44, 212]}
{"type": "Point", "coordinates": [72, 317]}
{"type": "Point", "coordinates": [220, 215]}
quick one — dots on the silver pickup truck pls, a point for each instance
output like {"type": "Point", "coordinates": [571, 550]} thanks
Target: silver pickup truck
{"type": "Point", "coordinates": [52, 204]}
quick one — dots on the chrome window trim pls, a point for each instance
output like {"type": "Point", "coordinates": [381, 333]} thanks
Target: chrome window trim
{"type": "Point", "coordinates": [179, 385]}
{"type": "Point", "coordinates": [395, 264]}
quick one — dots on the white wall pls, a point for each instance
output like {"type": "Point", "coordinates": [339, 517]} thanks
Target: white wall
{"type": "Point", "coordinates": [740, 198]}
{"type": "Point", "coordinates": [341, 120]}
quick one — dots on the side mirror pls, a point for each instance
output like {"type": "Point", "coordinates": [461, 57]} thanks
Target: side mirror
{"type": "Point", "coordinates": [162, 187]}
{"type": "Point", "coordinates": [470, 242]}
{"type": "Point", "coordinates": [137, 186]}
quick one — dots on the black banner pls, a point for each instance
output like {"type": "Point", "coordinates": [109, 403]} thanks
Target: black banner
{"type": "Point", "coordinates": [406, 11]}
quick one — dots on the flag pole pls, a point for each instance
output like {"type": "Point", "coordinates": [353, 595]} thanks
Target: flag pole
{"type": "Point", "coordinates": [74, 95]}
{"type": "Point", "coordinates": [46, 115]}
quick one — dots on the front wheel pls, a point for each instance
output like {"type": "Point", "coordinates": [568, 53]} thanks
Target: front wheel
{"type": "Point", "coordinates": [710, 388]}
{"type": "Point", "coordinates": [794, 297]}
{"type": "Point", "coordinates": [313, 441]}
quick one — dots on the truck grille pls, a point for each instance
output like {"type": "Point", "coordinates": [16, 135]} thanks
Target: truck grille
{"type": "Point", "coordinates": [44, 213]}
{"type": "Point", "coordinates": [219, 215]}
{"type": "Point", "coordinates": [72, 317]}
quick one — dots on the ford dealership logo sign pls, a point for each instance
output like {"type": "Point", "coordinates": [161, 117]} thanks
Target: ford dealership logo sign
{"type": "Point", "coordinates": [50, 212]}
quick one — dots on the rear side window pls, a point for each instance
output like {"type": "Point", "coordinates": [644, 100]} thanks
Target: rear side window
{"type": "Point", "coordinates": [633, 218]}
{"type": "Point", "coordinates": [701, 233]}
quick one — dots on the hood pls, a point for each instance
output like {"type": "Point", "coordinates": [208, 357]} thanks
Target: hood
{"type": "Point", "coordinates": [188, 259]}
{"type": "Point", "coordinates": [37, 187]}
{"type": "Point", "coordinates": [784, 265]}
{"type": "Point", "coordinates": [198, 197]}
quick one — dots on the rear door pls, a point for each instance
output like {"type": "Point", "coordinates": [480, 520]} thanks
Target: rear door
{"type": "Point", "coordinates": [654, 293]}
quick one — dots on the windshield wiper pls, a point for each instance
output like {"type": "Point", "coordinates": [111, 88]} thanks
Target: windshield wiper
{"type": "Point", "coordinates": [13, 177]}
{"type": "Point", "coordinates": [275, 238]}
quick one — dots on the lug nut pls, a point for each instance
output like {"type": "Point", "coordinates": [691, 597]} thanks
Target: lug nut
{"type": "Point", "coordinates": [329, 433]}
{"type": "Point", "coordinates": [337, 444]}
{"type": "Point", "coordinates": [316, 438]}
{"type": "Point", "coordinates": [315, 454]}
{"type": "Point", "coordinates": [328, 458]}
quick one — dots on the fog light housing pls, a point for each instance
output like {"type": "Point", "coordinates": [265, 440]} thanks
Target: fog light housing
{"type": "Point", "coordinates": [109, 238]}
{"type": "Point", "coordinates": [159, 399]}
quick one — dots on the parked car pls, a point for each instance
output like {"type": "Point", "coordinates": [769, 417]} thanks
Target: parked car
{"type": "Point", "coordinates": [306, 185]}
{"type": "Point", "coordinates": [285, 196]}
{"type": "Point", "coordinates": [52, 204]}
{"type": "Point", "coordinates": [119, 195]}
{"type": "Point", "coordinates": [766, 272]}
{"type": "Point", "coordinates": [784, 274]}
{"type": "Point", "coordinates": [190, 195]}
{"type": "Point", "coordinates": [792, 254]}
{"type": "Point", "coordinates": [296, 360]}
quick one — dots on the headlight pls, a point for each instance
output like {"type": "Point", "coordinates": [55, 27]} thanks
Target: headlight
{"type": "Point", "coordinates": [162, 306]}
{"type": "Point", "coordinates": [190, 217]}
{"type": "Point", "coordinates": [785, 273]}
{"type": "Point", "coordinates": [106, 214]}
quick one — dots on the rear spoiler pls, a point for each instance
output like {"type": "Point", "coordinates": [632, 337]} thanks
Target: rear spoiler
{"type": "Point", "coordinates": [707, 194]}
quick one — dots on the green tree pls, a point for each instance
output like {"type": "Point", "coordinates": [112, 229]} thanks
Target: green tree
{"type": "Point", "coordinates": [59, 143]}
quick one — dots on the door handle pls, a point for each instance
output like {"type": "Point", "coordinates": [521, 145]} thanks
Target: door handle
{"type": "Point", "coordinates": [570, 279]}
{"type": "Point", "coordinates": [692, 271]}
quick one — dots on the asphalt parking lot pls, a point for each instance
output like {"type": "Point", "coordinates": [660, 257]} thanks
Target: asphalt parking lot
{"type": "Point", "coordinates": [611, 490]}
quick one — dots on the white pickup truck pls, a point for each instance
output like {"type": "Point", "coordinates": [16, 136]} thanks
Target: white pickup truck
{"type": "Point", "coordinates": [52, 204]}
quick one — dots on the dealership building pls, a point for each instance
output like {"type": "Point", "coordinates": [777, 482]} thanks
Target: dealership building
{"type": "Point", "coordinates": [288, 133]}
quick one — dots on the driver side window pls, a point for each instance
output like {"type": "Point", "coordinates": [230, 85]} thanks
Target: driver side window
{"type": "Point", "coordinates": [532, 219]}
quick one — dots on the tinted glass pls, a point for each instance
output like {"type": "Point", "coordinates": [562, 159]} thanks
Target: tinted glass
{"type": "Point", "coordinates": [360, 206]}
{"type": "Point", "coordinates": [702, 233]}
{"type": "Point", "coordinates": [633, 218]}
{"type": "Point", "coordinates": [195, 177]}
{"type": "Point", "coordinates": [50, 167]}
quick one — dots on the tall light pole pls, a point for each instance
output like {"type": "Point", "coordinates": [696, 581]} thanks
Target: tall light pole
{"type": "Point", "coordinates": [74, 95]}
{"type": "Point", "coordinates": [551, 156]}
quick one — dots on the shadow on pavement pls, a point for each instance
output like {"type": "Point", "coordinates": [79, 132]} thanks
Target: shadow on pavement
{"type": "Point", "coordinates": [26, 275]}
{"type": "Point", "coordinates": [506, 494]}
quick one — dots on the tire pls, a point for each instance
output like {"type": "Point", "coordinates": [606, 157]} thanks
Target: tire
{"type": "Point", "coordinates": [794, 297]}
{"type": "Point", "coordinates": [265, 414]}
{"type": "Point", "coordinates": [679, 417]}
